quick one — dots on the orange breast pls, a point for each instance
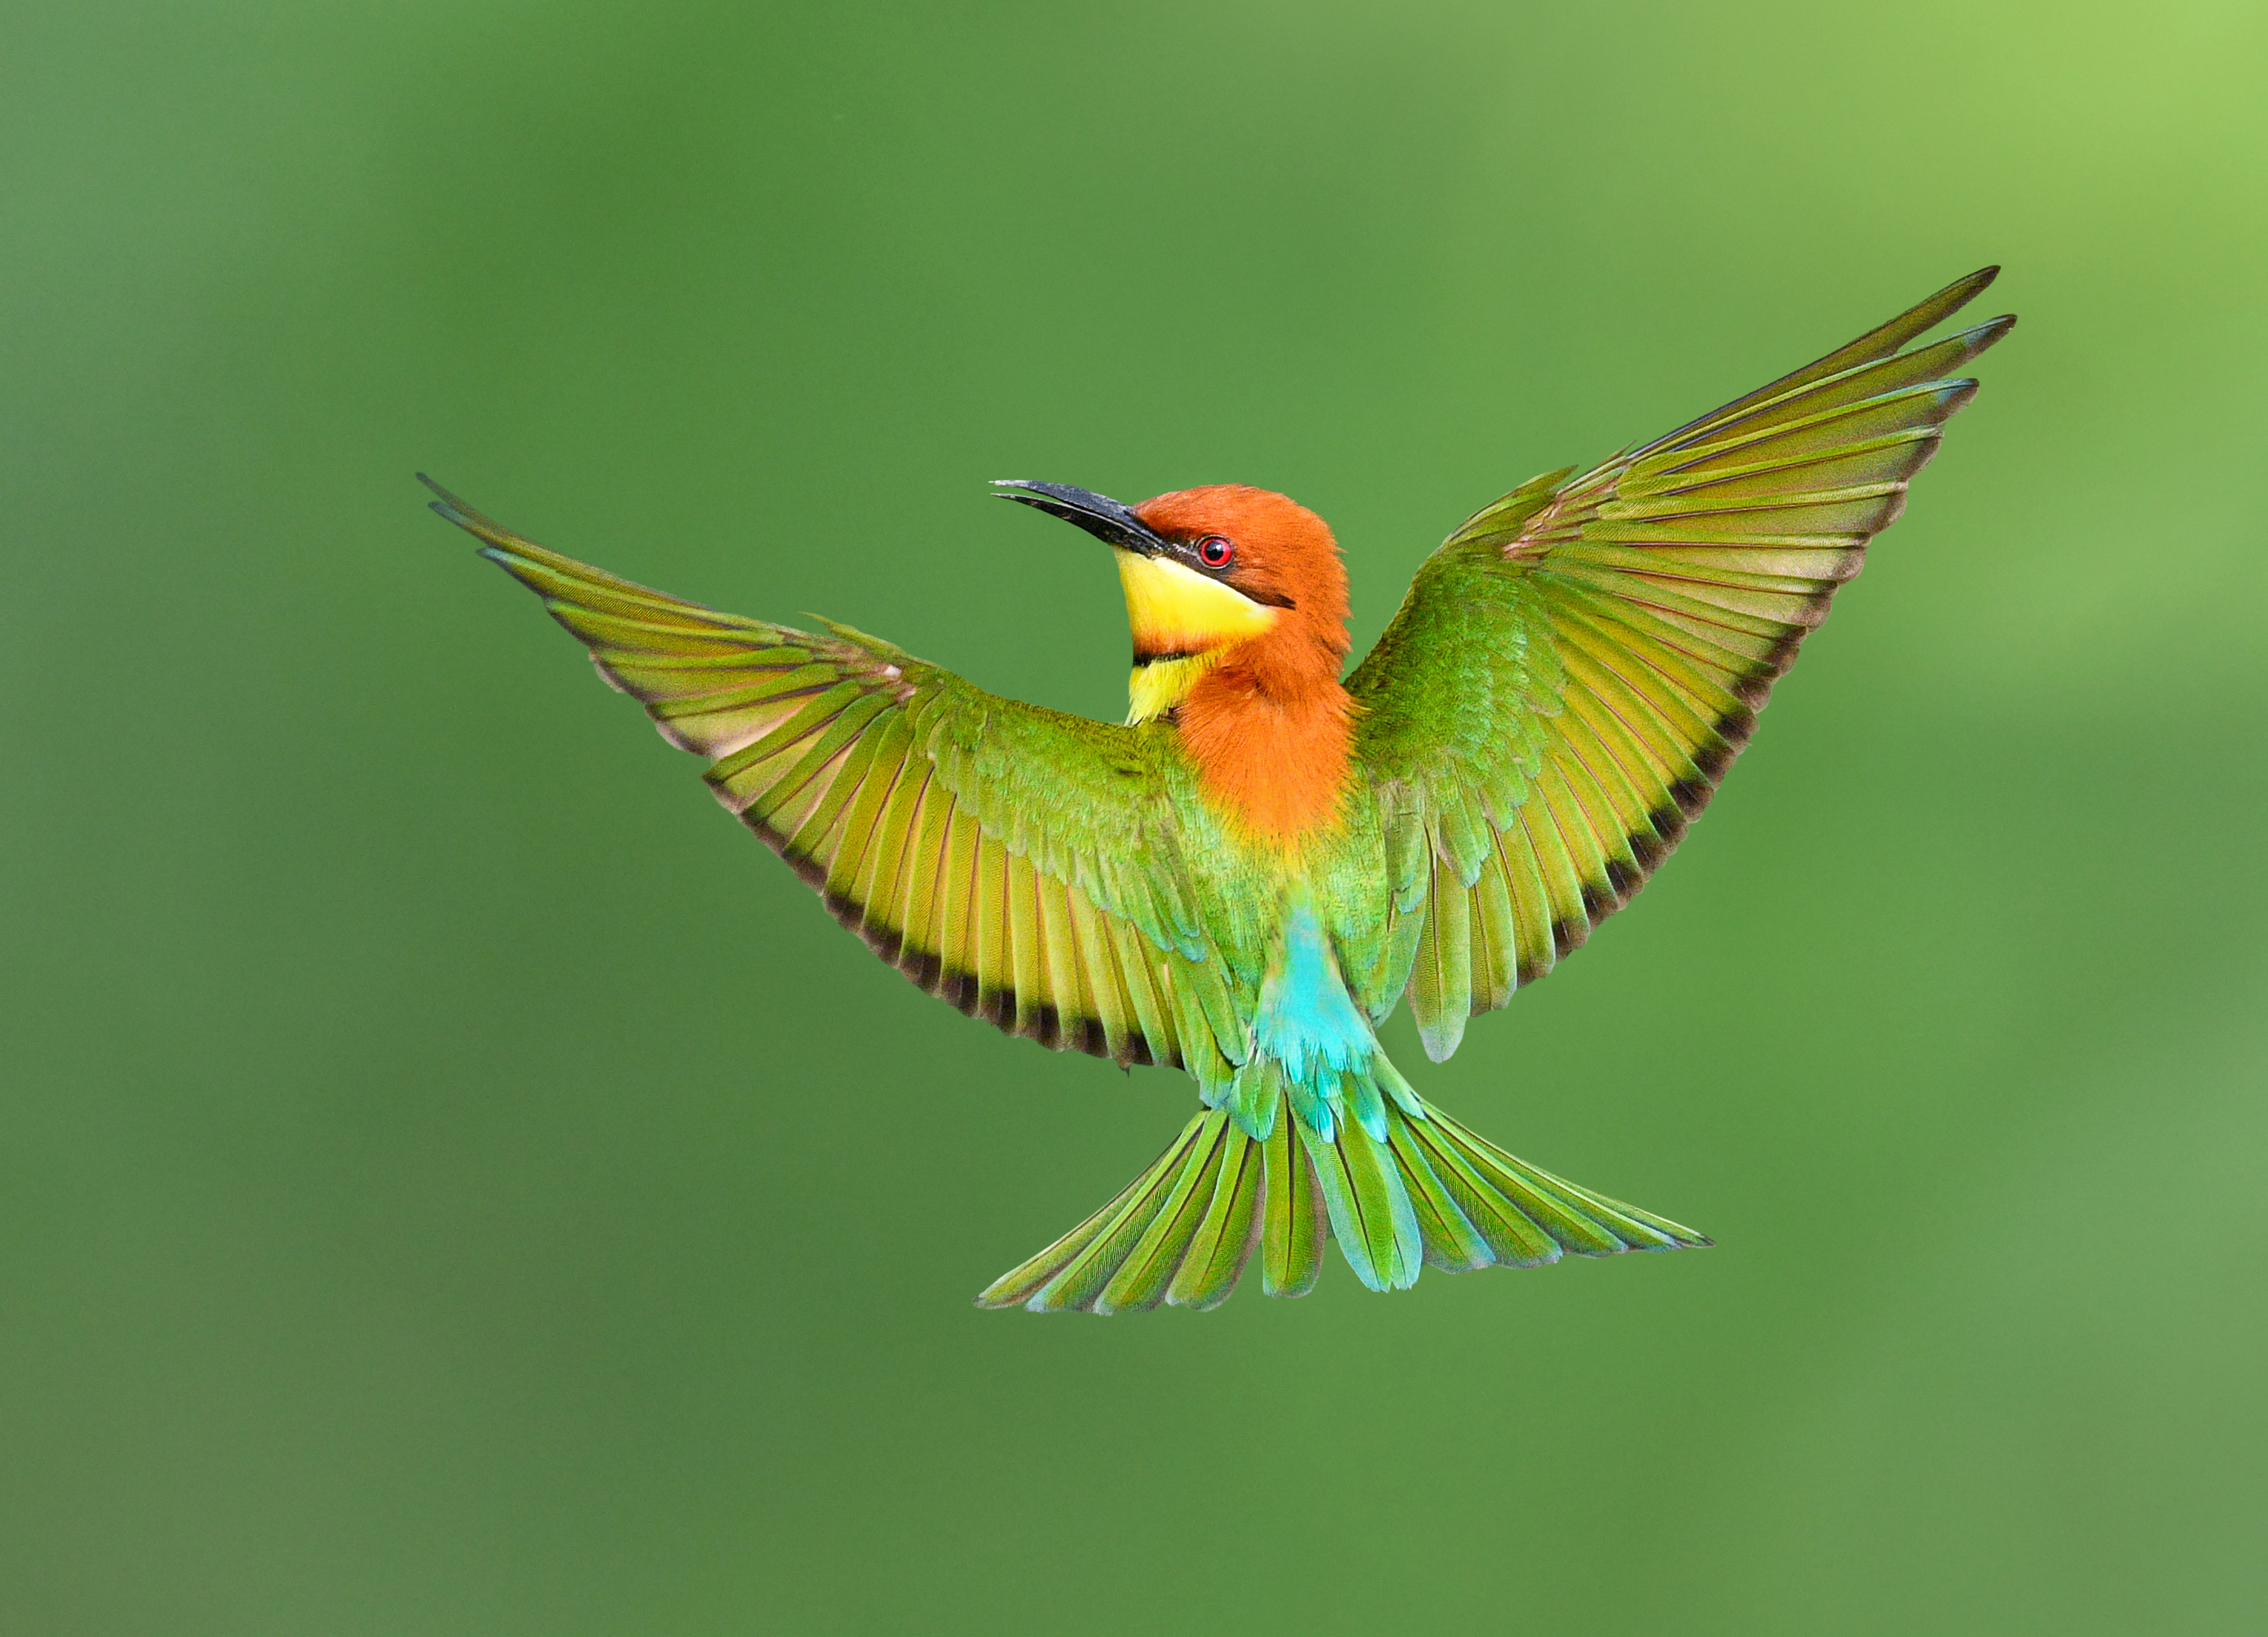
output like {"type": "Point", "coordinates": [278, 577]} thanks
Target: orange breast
{"type": "Point", "coordinates": [1274, 760]}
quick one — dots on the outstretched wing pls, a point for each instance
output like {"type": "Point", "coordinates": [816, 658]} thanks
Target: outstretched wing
{"type": "Point", "coordinates": [1018, 862]}
{"type": "Point", "coordinates": [1574, 668]}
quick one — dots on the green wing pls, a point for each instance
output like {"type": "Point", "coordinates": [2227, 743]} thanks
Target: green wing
{"type": "Point", "coordinates": [1020, 863]}
{"type": "Point", "coordinates": [1575, 667]}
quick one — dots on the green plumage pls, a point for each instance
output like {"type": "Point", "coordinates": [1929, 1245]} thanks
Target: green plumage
{"type": "Point", "coordinates": [1567, 682]}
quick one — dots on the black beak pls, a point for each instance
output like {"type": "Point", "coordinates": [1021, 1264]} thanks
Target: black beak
{"type": "Point", "coordinates": [1107, 519]}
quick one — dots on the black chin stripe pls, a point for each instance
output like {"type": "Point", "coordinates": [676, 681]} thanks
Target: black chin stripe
{"type": "Point", "coordinates": [1143, 662]}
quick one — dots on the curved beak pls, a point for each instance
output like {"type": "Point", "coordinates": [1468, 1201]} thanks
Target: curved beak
{"type": "Point", "coordinates": [1107, 519]}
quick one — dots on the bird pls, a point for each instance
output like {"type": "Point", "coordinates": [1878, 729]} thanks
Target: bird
{"type": "Point", "coordinates": [1248, 876]}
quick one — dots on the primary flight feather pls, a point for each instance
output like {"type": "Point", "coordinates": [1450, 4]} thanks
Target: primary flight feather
{"type": "Point", "coordinates": [1245, 877]}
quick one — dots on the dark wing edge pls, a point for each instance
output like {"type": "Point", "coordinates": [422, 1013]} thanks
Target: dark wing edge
{"type": "Point", "coordinates": [1576, 667]}
{"type": "Point", "coordinates": [975, 843]}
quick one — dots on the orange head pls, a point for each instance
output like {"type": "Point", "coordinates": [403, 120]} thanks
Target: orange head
{"type": "Point", "coordinates": [1239, 607]}
{"type": "Point", "coordinates": [1223, 573]}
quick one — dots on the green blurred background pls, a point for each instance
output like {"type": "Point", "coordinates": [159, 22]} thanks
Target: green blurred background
{"type": "Point", "coordinates": [454, 1181]}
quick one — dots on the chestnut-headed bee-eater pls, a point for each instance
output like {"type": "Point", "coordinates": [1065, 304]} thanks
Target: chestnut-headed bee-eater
{"type": "Point", "coordinates": [1244, 878]}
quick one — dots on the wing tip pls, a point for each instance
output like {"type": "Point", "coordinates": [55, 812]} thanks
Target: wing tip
{"type": "Point", "coordinates": [447, 505]}
{"type": "Point", "coordinates": [1961, 292]}
{"type": "Point", "coordinates": [464, 516]}
{"type": "Point", "coordinates": [1955, 296]}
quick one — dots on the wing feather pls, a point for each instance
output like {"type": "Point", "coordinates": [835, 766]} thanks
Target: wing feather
{"type": "Point", "coordinates": [1022, 864]}
{"type": "Point", "coordinates": [1580, 662]}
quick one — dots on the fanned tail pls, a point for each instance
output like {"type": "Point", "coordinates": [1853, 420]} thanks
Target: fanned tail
{"type": "Point", "coordinates": [1182, 1232]}
{"type": "Point", "coordinates": [1477, 1206]}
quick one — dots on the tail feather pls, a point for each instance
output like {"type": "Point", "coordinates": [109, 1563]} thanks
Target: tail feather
{"type": "Point", "coordinates": [1434, 1192]}
{"type": "Point", "coordinates": [1072, 1273]}
{"type": "Point", "coordinates": [1575, 1218]}
{"type": "Point", "coordinates": [1452, 1243]}
{"type": "Point", "coordinates": [1369, 1211]}
{"type": "Point", "coordinates": [1140, 1282]}
{"type": "Point", "coordinates": [1296, 1222]}
{"type": "Point", "coordinates": [1224, 1237]}
{"type": "Point", "coordinates": [1509, 1236]}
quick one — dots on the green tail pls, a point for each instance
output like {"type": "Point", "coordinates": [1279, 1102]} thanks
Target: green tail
{"type": "Point", "coordinates": [1182, 1232]}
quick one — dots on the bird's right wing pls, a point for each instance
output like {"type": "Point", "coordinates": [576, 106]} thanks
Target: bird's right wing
{"type": "Point", "coordinates": [1574, 668]}
{"type": "Point", "coordinates": [1016, 861]}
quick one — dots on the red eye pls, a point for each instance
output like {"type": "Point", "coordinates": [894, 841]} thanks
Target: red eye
{"type": "Point", "coordinates": [1214, 552]}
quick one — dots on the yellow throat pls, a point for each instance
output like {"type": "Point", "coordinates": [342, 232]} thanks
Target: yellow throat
{"type": "Point", "coordinates": [1184, 624]}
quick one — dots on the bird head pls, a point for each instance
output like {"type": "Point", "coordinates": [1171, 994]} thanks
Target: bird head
{"type": "Point", "coordinates": [1212, 573]}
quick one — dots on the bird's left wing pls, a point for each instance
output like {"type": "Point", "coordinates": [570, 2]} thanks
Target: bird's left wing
{"type": "Point", "coordinates": [1016, 861]}
{"type": "Point", "coordinates": [1574, 668]}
